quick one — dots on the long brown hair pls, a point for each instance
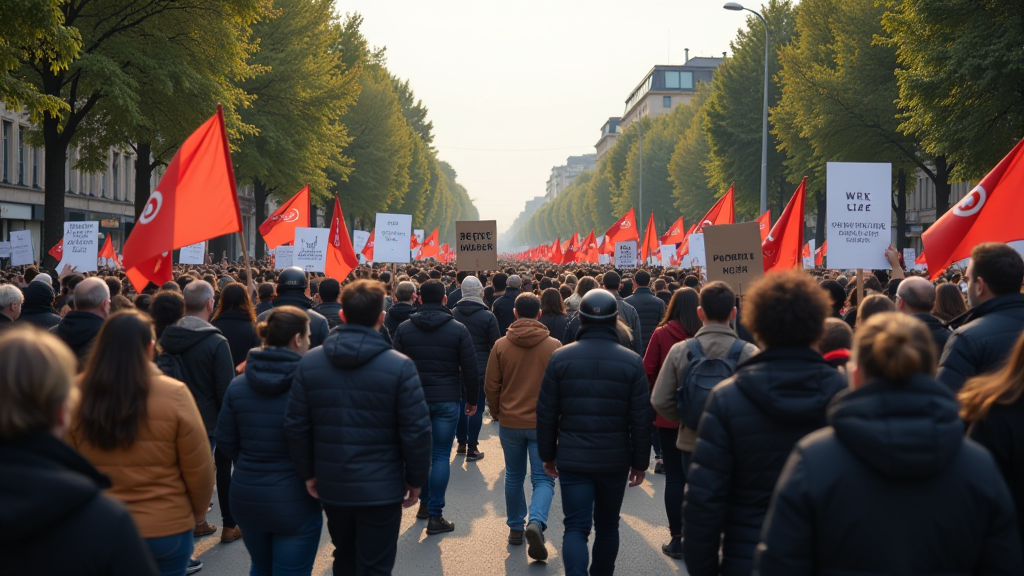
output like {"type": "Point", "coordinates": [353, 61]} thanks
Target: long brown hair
{"type": "Point", "coordinates": [234, 296]}
{"type": "Point", "coordinates": [1003, 387]}
{"type": "Point", "coordinates": [682, 308]}
{"type": "Point", "coordinates": [115, 384]}
{"type": "Point", "coordinates": [949, 302]}
{"type": "Point", "coordinates": [551, 303]}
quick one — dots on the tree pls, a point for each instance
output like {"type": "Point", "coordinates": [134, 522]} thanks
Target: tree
{"type": "Point", "coordinates": [687, 166]}
{"type": "Point", "coordinates": [34, 31]}
{"type": "Point", "coordinates": [599, 198]}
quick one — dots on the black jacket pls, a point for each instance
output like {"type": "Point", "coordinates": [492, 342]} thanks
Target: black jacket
{"type": "Point", "coordinates": [1002, 432]}
{"type": "Point", "coordinates": [940, 333]}
{"type": "Point", "coordinates": [593, 413]}
{"type": "Point", "coordinates": [332, 312]}
{"type": "Point", "coordinates": [251, 432]}
{"type": "Point", "coordinates": [750, 425]}
{"type": "Point", "coordinates": [318, 329]}
{"type": "Point", "coordinates": [37, 309]}
{"type": "Point", "coordinates": [454, 298]}
{"type": "Point", "coordinates": [357, 420]}
{"type": "Point", "coordinates": [398, 313]}
{"type": "Point", "coordinates": [664, 296]}
{"type": "Point", "coordinates": [78, 330]}
{"type": "Point", "coordinates": [891, 488]}
{"type": "Point", "coordinates": [240, 331]}
{"type": "Point", "coordinates": [556, 324]}
{"type": "Point", "coordinates": [262, 307]}
{"type": "Point", "coordinates": [650, 309]}
{"type": "Point", "coordinates": [503, 307]}
{"type": "Point", "coordinates": [443, 351]}
{"type": "Point", "coordinates": [983, 341]}
{"type": "Point", "coordinates": [208, 365]}
{"type": "Point", "coordinates": [56, 520]}
{"type": "Point", "coordinates": [483, 328]}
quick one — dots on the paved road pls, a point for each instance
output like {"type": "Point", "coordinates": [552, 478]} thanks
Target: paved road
{"type": "Point", "coordinates": [478, 547]}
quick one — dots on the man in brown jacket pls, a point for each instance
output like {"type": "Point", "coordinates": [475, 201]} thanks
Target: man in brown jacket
{"type": "Point", "coordinates": [515, 371]}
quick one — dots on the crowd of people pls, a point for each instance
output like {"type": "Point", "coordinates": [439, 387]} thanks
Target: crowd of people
{"type": "Point", "coordinates": [821, 423]}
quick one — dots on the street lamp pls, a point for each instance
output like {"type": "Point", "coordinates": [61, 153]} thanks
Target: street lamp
{"type": "Point", "coordinates": [736, 7]}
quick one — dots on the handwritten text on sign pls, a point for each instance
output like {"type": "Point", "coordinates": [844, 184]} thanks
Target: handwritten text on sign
{"type": "Point", "coordinates": [475, 247]}
{"type": "Point", "coordinates": [859, 214]}
{"type": "Point", "coordinates": [81, 245]}
{"type": "Point", "coordinates": [391, 238]}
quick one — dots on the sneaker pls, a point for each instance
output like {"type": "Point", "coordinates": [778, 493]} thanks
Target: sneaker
{"type": "Point", "coordinates": [204, 528]}
{"type": "Point", "coordinates": [515, 537]}
{"type": "Point", "coordinates": [422, 513]}
{"type": "Point", "coordinates": [438, 525]}
{"type": "Point", "coordinates": [461, 449]}
{"type": "Point", "coordinates": [229, 535]}
{"type": "Point", "coordinates": [535, 539]}
{"type": "Point", "coordinates": [673, 549]}
{"type": "Point", "coordinates": [474, 455]}
{"type": "Point", "coordinates": [659, 467]}
{"type": "Point", "coordinates": [194, 565]}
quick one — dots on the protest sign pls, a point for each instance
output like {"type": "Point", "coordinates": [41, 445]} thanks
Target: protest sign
{"type": "Point", "coordinates": [81, 246]}
{"type": "Point", "coordinates": [696, 255]}
{"type": "Point", "coordinates": [310, 249]}
{"type": "Point", "coordinates": [359, 240]}
{"type": "Point", "coordinates": [5, 249]}
{"type": "Point", "coordinates": [418, 235]}
{"type": "Point", "coordinates": [391, 238]}
{"type": "Point", "coordinates": [809, 260]}
{"type": "Point", "coordinates": [21, 248]}
{"type": "Point", "coordinates": [667, 252]}
{"type": "Point", "coordinates": [283, 257]}
{"type": "Point", "coordinates": [604, 259]}
{"type": "Point", "coordinates": [193, 254]}
{"type": "Point", "coordinates": [476, 245]}
{"type": "Point", "coordinates": [733, 253]}
{"type": "Point", "coordinates": [625, 254]}
{"type": "Point", "coordinates": [859, 214]}
{"type": "Point", "coordinates": [909, 255]}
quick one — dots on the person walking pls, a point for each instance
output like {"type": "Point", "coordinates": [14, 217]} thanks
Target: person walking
{"type": "Point", "coordinates": [405, 306]}
{"type": "Point", "coordinates": [515, 371]}
{"type": "Point", "coordinates": [330, 301]}
{"type": "Point", "coordinates": [363, 475]}
{"type": "Point", "coordinates": [649, 308]}
{"type": "Point", "coordinates": [293, 290]}
{"type": "Point", "coordinates": [55, 518]}
{"type": "Point", "coordinates": [505, 304]}
{"type": "Point", "coordinates": [627, 313]}
{"type": "Point", "coordinates": [236, 319]}
{"type": "Point", "coordinates": [552, 312]}
{"type": "Point", "coordinates": [144, 431]}
{"type": "Point", "coordinates": [281, 522]}
{"type": "Point", "coordinates": [79, 327]}
{"type": "Point", "coordinates": [483, 328]}
{"type": "Point", "coordinates": [916, 296]}
{"type": "Point", "coordinates": [752, 421]}
{"type": "Point", "coordinates": [594, 433]}
{"type": "Point", "coordinates": [935, 502]}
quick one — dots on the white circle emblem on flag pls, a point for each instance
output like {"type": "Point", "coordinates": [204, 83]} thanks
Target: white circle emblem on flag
{"type": "Point", "coordinates": [971, 203]}
{"type": "Point", "coordinates": [152, 208]}
{"type": "Point", "coordinates": [626, 224]}
{"type": "Point", "coordinates": [289, 216]}
{"type": "Point", "coordinates": [706, 223]}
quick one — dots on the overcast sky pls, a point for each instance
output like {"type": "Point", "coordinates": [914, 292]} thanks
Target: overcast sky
{"type": "Point", "coordinates": [514, 87]}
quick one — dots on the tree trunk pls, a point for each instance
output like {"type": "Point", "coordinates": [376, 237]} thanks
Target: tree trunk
{"type": "Point", "coordinates": [259, 191]}
{"type": "Point", "coordinates": [54, 183]}
{"type": "Point", "coordinates": [942, 186]}
{"type": "Point", "coordinates": [899, 205]}
{"type": "Point", "coordinates": [143, 175]}
{"type": "Point", "coordinates": [819, 228]}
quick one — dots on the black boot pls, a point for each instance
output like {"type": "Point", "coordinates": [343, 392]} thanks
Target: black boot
{"type": "Point", "coordinates": [673, 549]}
{"type": "Point", "coordinates": [438, 525]}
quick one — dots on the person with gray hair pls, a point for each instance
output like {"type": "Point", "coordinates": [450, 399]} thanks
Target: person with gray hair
{"type": "Point", "coordinates": [11, 299]}
{"type": "Point", "coordinates": [405, 306]}
{"type": "Point", "coordinates": [916, 297]}
{"type": "Point", "coordinates": [79, 327]}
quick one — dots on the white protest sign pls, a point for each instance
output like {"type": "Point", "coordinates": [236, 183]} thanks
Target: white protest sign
{"type": "Point", "coordinates": [391, 236]}
{"type": "Point", "coordinates": [859, 214]}
{"type": "Point", "coordinates": [310, 249]}
{"type": "Point", "coordinates": [667, 252]}
{"type": "Point", "coordinates": [81, 246]}
{"type": "Point", "coordinates": [21, 248]}
{"type": "Point", "coordinates": [625, 254]}
{"type": "Point", "coordinates": [909, 255]}
{"type": "Point", "coordinates": [193, 254]}
{"type": "Point", "coordinates": [5, 249]}
{"type": "Point", "coordinates": [696, 256]}
{"type": "Point", "coordinates": [359, 240]}
{"type": "Point", "coordinates": [809, 260]}
{"type": "Point", "coordinates": [604, 259]}
{"type": "Point", "coordinates": [419, 235]}
{"type": "Point", "coordinates": [283, 257]}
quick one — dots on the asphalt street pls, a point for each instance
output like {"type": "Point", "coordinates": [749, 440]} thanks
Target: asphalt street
{"type": "Point", "coordinates": [476, 504]}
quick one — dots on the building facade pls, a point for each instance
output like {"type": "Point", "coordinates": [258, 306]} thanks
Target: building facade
{"type": "Point", "coordinates": [563, 176]}
{"type": "Point", "coordinates": [609, 134]}
{"type": "Point", "coordinates": [667, 86]}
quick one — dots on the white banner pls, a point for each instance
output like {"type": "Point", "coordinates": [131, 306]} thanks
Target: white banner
{"type": "Point", "coordinates": [21, 248]}
{"type": "Point", "coordinates": [391, 238]}
{"type": "Point", "coordinates": [696, 256]}
{"type": "Point", "coordinates": [604, 259]}
{"type": "Point", "coordinates": [81, 246]}
{"type": "Point", "coordinates": [859, 214]}
{"type": "Point", "coordinates": [625, 254]}
{"type": "Point", "coordinates": [809, 260]}
{"type": "Point", "coordinates": [359, 240]}
{"type": "Point", "coordinates": [283, 257]}
{"type": "Point", "coordinates": [419, 235]}
{"type": "Point", "coordinates": [5, 249]}
{"type": "Point", "coordinates": [193, 254]}
{"type": "Point", "coordinates": [909, 255]}
{"type": "Point", "coordinates": [310, 249]}
{"type": "Point", "coordinates": [667, 252]}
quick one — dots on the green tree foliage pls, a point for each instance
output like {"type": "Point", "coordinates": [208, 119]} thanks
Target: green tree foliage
{"type": "Point", "coordinates": [599, 198]}
{"type": "Point", "coordinates": [687, 166]}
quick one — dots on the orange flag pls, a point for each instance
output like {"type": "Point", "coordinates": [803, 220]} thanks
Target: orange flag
{"type": "Point", "coordinates": [280, 228]}
{"type": "Point", "coordinates": [675, 233]}
{"type": "Point", "coordinates": [367, 251]}
{"type": "Point", "coordinates": [430, 246]}
{"type": "Point", "coordinates": [196, 200]}
{"type": "Point", "coordinates": [413, 242]}
{"type": "Point", "coordinates": [57, 251]}
{"type": "Point", "coordinates": [624, 229]}
{"type": "Point", "coordinates": [765, 221]}
{"type": "Point", "coordinates": [783, 248]}
{"type": "Point", "coordinates": [650, 245]}
{"type": "Point", "coordinates": [588, 250]}
{"type": "Point", "coordinates": [555, 253]}
{"type": "Point", "coordinates": [108, 252]}
{"type": "Point", "coordinates": [607, 248]}
{"type": "Point", "coordinates": [341, 257]}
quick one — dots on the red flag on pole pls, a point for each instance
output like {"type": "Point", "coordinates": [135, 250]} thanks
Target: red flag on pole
{"type": "Point", "coordinates": [607, 248]}
{"type": "Point", "coordinates": [650, 244]}
{"type": "Point", "coordinates": [555, 253]}
{"type": "Point", "coordinates": [675, 234]}
{"type": "Point", "coordinates": [723, 212]}
{"type": "Point", "coordinates": [414, 243]}
{"type": "Point", "coordinates": [991, 212]}
{"type": "Point", "coordinates": [572, 250]}
{"type": "Point", "coordinates": [108, 252]}
{"type": "Point", "coordinates": [765, 221]}
{"type": "Point", "coordinates": [625, 229]}
{"type": "Point", "coordinates": [195, 200]}
{"type": "Point", "coordinates": [820, 253]}
{"type": "Point", "coordinates": [588, 250]}
{"type": "Point", "coordinates": [367, 251]}
{"type": "Point", "coordinates": [783, 249]}
{"type": "Point", "coordinates": [57, 251]}
{"type": "Point", "coordinates": [430, 246]}
{"type": "Point", "coordinates": [341, 257]}
{"type": "Point", "coordinates": [280, 228]}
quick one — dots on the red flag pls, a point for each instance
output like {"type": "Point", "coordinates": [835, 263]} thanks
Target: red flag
{"type": "Point", "coordinates": [196, 200]}
{"type": "Point", "coordinates": [108, 252]}
{"type": "Point", "coordinates": [367, 251]}
{"type": "Point", "coordinates": [341, 257]}
{"type": "Point", "coordinates": [675, 234]}
{"type": "Point", "coordinates": [723, 212]}
{"type": "Point", "coordinates": [820, 253]}
{"type": "Point", "coordinates": [414, 243]}
{"type": "Point", "coordinates": [624, 229]}
{"type": "Point", "coordinates": [806, 252]}
{"type": "Point", "coordinates": [430, 246]}
{"type": "Point", "coordinates": [765, 221]}
{"type": "Point", "coordinates": [919, 260]}
{"type": "Point", "coordinates": [607, 247]}
{"type": "Point", "coordinates": [57, 251]}
{"type": "Point", "coordinates": [650, 244]}
{"type": "Point", "coordinates": [555, 253]}
{"type": "Point", "coordinates": [445, 254]}
{"type": "Point", "coordinates": [572, 250]}
{"type": "Point", "coordinates": [588, 249]}
{"type": "Point", "coordinates": [991, 212]}
{"type": "Point", "coordinates": [684, 247]}
{"type": "Point", "coordinates": [784, 246]}
{"type": "Point", "coordinates": [280, 228]}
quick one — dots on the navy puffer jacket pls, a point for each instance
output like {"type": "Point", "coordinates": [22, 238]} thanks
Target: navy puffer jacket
{"type": "Point", "coordinates": [982, 341]}
{"type": "Point", "coordinates": [483, 328]}
{"type": "Point", "coordinates": [443, 351]}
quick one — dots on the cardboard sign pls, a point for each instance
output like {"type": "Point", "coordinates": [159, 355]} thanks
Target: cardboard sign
{"type": "Point", "coordinates": [667, 252]}
{"type": "Point", "coordinates": [625, 254]}
{"type": "Point", "coordinates": [733, 254]}
{"type": "Point", "coordinates": [392, 233]}
{"type": "Point", "coordinates": [21, 248]}
{"type": "Point", "coordinates": [809, 260]}
{"type": "Point", "coordinates": [696, 255]}
{"type": "Point", "coordinates": [859, 214]}
{"type": "Point", "coordinates": [5, 249]}
{"type": "Point", "coordinates": [476, 244]}
{"type": "Point", "coordinates": [81, 246]}
{"type": "Point", "coordinates": [283, 257]}
{"type": "Point", "coordinates": [193, 254]}
{"type": "Point", "coordinates": [310, 249]}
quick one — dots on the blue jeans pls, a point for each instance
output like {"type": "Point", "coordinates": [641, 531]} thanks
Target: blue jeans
{"type": "Point", "coordinates": [591, 500]}
{"type": "Point", "coordinates": [520, 445]}
{"type": "Point", "coordinates": [281, 554]}
{"type": "Point", "coordinates": [171, 553]}
{"type": "Point", "coordinates": [444, 416]}
{"type": "Point", "coordinates": [468, 430]}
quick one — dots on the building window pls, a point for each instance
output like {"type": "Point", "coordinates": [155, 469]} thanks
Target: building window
{"type": "Point", "coordinates": [21, 155]}
{"type": "Point", "coordinates": [36, 161]}
{"type": "Point", "coordinates": [115, 173]}
{"type": "Point", "coordinates": [679, 79]}
{"type": "Point", "coordinates": [666, 101]}
{"type": "Point", "coordinates": [7, 150]}
{"type": "Point", "coordinates": [103, 184]}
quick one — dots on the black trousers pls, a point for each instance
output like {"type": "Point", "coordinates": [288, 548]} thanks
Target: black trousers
{"type": "Point", "coordinates": [675, 479]}
{"type": "Point", "coordinates": [223, 464]}
{"type": "Point", "coordinates": [365, 538]}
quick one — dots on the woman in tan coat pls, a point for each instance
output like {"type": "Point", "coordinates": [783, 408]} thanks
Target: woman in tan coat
{"type": "Point", "coordinates": [143, 430]}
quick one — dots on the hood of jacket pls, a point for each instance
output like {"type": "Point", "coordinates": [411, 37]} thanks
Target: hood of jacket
{"type": "Point", "coordinates": [78, 328]}
{"type": "Point", "coordinates": [293, 298]}
{"type": "Point", "coordinates": [527, 333]}
{"type": "Point", "coordinates": [38, 299]}
{"type": "Point", "coordinates": [269, 371]}
{"type": "Point", "coordinates": [185, 333]}
{"type": "Point", "coordinates": [350, 346]}
{"type": "Point", "coordinates": [997, 304]}
{"type": "Point", "coordinates": [431, 317]}
{"type": "Point", "coordinates": [470, 306]}
{"type": "Point", "coordinates": [786, 383]}
{"type": "Point", "coordinates": [901, 431]}
{"type": "Point", "coordinates": [677, 331]}
{"type": "Point", "coordinates": [401, 311]}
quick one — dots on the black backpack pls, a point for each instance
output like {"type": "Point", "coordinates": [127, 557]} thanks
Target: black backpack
{"type": "Point", "coordinates": [173, 366]}
{"type": "Point", "coordinates": [701, 375]}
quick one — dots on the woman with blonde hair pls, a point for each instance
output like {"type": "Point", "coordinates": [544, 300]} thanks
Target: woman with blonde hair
{"type": "Point", "coordinates": [892, 486]}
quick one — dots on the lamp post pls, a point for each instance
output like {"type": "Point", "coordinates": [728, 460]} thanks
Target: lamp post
{"type": "Point", "coordinates": [735, 6]}
{"type": "Point", "coordinates": [639, 221]}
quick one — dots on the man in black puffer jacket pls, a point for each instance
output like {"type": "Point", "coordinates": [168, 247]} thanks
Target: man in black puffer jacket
{"type": "Point", "coordinates": [483, 327]}
{"type": "Point", "coordinates": [330, 307]}
{"type": "Point", "coordinates": [504, 306]}
{"type": "Point", "coordinates": [752, 421]}
{"type": "Point", "coordinates": [445, 358]}
{"type": "Point", "coordinates": [405, 306]}
{"type": "Point", "coordinates": [292, 290]}
{"type": "Point", "coordinates": [366, 472]}
{"type": "Point", "coordinates": [594, 431]}
{"type": "Point", "coordinates": [985, 334]}
{"type": "Point", "coordinates": [649, 308]}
